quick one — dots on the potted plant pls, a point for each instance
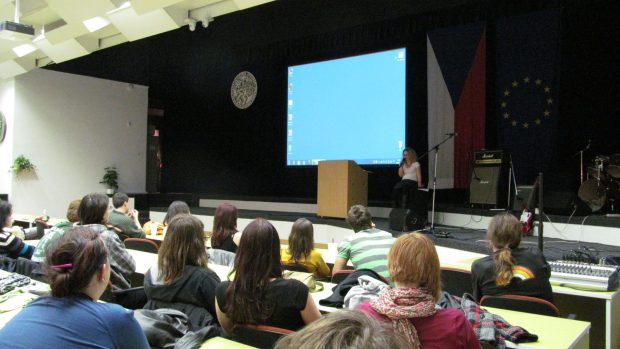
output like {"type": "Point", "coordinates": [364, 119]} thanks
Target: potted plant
{"type": "Point", "coordinates": [110, 178]}
{"type": "Point", "coordinates": [22, 164]}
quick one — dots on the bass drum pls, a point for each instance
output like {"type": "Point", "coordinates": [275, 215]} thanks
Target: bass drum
{"type": "Point", "coordinates": [613, 169]}
{"type": "Point", "coordinates": [593, 193]}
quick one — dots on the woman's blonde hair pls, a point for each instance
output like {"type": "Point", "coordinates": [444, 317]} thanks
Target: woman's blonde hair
{"type": "Point", "coordinates": [344, 329]}
{"type": "Point", "coordinates": [504, 234]}
{"type": "Point", "coordinates": [413, 259]}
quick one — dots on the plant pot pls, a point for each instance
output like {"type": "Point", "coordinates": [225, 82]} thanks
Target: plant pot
{"type": "Point", "coordinates": [109, 191]}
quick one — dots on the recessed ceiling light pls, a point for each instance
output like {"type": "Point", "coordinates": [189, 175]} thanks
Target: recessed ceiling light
{"type": "Point", "coordinates": [95, 23]}
{"type": "Point", "coordinates": [24, 49]}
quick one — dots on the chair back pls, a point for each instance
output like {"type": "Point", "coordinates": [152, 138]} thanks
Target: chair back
{"type": "Point", "coordinates": [456, 281]}
{"type": "Point", "coordinates": [221, 257]}
{"type": "Point", "coordinates": [525, 304]}
{"type": "Point", "coordinates": [144, 245]}
{"type": "Point", "coordinates": [260, 336]}
{"type": "Point", "coordinates": [341, 275]}
{"type": "Point", "coordinates": [295, 267]}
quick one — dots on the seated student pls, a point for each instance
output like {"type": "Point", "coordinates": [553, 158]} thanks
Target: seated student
{"type": "Point", "coordinates": [510, 269]}
{"type": "Point", "coordinates": [78, 269]}
{"type": "Point", "coordinates": [367, 248]}
{"type": "Point", "coordinates": [57, 231]}
{"type": "Point", "coordinates": [225, 235]}
{"type": "Point", "coordinates": [258, 295]}
{"type": "Point", "coordinates": [93, 213]}
{"type": "Point", "coordinates": [181, 279]}
{"type": "Point", "coordinates": [410, 306]}
{"type": "Point", "coordinates": [301, 249]}
{"type": "Point", "coordinates": [175, 208]}
{"type": "Point", "coordinates": [10, 244]}
{"type": "Point", "coordinates": [344, 329]}
{"type": "Point", "coordinates": [123, 220]}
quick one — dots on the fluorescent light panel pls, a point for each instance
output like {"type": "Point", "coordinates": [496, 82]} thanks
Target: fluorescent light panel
{"type": "Point", "coordinates": [24, 49]}
{"type": "Point", "coordinates": [95, 23]}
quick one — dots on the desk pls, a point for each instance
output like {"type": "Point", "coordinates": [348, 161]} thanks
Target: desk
{"type": "Point", "coordinates": [144, 261]}
{"type": "Point", "coordinates": [15, 304]}
{"type": "Point", "coordinates": [552, 332]}
{"type": "Point", "coordinates": [25, 221]}
{"type": "Point", "coordinates": [601, 309]}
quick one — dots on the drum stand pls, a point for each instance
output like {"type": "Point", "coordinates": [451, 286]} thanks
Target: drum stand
{"type": "Point", "coordinates": [436, 149]}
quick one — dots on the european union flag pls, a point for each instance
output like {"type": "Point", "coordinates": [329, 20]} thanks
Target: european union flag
{"type": "Point", "coordinates": [527, 82]}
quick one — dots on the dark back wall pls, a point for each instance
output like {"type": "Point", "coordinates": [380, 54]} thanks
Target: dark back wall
{"type": "Point", "coordinates": [210, 147]}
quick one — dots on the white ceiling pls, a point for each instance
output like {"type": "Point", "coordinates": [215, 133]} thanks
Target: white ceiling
{"type": "Point", "coordinates": [61, 34]}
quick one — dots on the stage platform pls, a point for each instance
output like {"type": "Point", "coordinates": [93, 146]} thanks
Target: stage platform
{"type": "Point", "coordinates": [595, 236]}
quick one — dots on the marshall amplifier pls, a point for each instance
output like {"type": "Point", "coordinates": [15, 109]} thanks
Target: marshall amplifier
{"type": "Point", "coordinates": [489, 180]}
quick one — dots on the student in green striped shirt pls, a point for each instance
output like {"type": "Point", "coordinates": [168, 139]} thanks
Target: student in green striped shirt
{"type": "Point", "coordinates": [367, 248]}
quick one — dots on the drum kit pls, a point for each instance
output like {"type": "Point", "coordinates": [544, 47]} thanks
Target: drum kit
{"type": "Point", "coordinates": [601, 189]}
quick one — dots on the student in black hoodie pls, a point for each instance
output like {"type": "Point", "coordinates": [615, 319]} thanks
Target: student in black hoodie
{"type": "Point", "coordinates": [181, 280]}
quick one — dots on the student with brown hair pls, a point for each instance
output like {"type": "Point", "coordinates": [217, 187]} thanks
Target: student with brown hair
{"type": "Point", "coordinates": [410, 306]}
{"type": "Point", "coordinates": [258, 295]}
{"type": "Point", "coordinates": [175, 208]}
{"type": "Point", "coordinates": [181, 279]}
{"type": "Point", "coordinates": [57, 231]}
{"type": "Point", "coordinates": [93, 213]}
{"type": "Point", "coordinates": [510, 269]}
{"type": "Point", "coordinates": [344, 329]}
{"type": "Point", "coordinates": [78, 269]}
{"type": "Point", "coordinates": [301, 249]}
{"type": "Point", "coordinates": [10, 244]}
{"type": "Point", "coordinates": [225, 235]}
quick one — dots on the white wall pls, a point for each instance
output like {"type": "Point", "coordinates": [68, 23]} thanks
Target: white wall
{"type": "Point", "coordinates": [71, 127]}
{"type": "Point", "coordinates": [7, 103]}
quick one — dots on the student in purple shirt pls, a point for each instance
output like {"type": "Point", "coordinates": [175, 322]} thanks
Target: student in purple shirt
{"type": "Point", "coordinates": [414, 266]}
{"type": "Point", "coordinates": [78, 269]}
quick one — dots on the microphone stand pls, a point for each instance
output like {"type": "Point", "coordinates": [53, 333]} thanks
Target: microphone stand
{"type": "Point", "coordinates": [580, 153]}
{"type": "Point", "coordinates": [436, 149]}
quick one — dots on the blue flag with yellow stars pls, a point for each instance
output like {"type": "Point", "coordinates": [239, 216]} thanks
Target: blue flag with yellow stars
{"type": "Point", "coordinates": [527, 82]}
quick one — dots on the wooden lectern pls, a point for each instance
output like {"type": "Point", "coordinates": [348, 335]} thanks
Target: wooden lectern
{"type": "Point", "coordinates": [342, 184]}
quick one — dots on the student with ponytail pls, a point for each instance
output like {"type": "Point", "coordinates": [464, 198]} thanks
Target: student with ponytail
{"type": "Point", "coordinates": [78, 269]}
{"type": "Point", "coordinates": [510, 269]}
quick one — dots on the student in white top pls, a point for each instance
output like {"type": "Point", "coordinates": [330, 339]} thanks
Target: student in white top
{"type": "Point", "coordinates": [411, 174]}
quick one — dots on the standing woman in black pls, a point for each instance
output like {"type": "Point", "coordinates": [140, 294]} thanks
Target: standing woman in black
{"type": "Point", "coordinates": [411, 178]}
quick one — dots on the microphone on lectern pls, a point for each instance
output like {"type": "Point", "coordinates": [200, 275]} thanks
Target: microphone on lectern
{"type": "Point", "coordinates": [452, 134]}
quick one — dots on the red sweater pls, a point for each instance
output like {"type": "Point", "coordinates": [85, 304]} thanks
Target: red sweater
{"type": "Point", "coordinates": [447, 328]}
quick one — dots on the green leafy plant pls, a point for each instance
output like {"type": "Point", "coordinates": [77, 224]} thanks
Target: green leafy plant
{"type": "Point", "coordinates": [21, 164]}
{"type": "Point", "coordinates": [110, 178]}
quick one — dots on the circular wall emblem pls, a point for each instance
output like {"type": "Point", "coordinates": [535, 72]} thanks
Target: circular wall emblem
{"type": "Point", "coordinates": [2, 127]}
{"type": "Point", "coordinates": [243, 90]}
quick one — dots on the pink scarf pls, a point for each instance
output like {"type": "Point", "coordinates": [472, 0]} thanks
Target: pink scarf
{"type": "Point", "coordinates": [401, 304]}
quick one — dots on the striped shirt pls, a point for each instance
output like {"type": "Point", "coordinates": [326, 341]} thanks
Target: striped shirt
{"type": "Point", "coordinates": [368, 249]}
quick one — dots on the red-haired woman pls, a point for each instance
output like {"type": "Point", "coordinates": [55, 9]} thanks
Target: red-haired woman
{"type": "Point", "coordinates": [410, 306]}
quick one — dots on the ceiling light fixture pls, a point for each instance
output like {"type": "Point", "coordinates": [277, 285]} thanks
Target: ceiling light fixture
{"type": "Point", "coordinates": [24, 49]}
{"type": "Point", "coordinates": [95, 23]}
